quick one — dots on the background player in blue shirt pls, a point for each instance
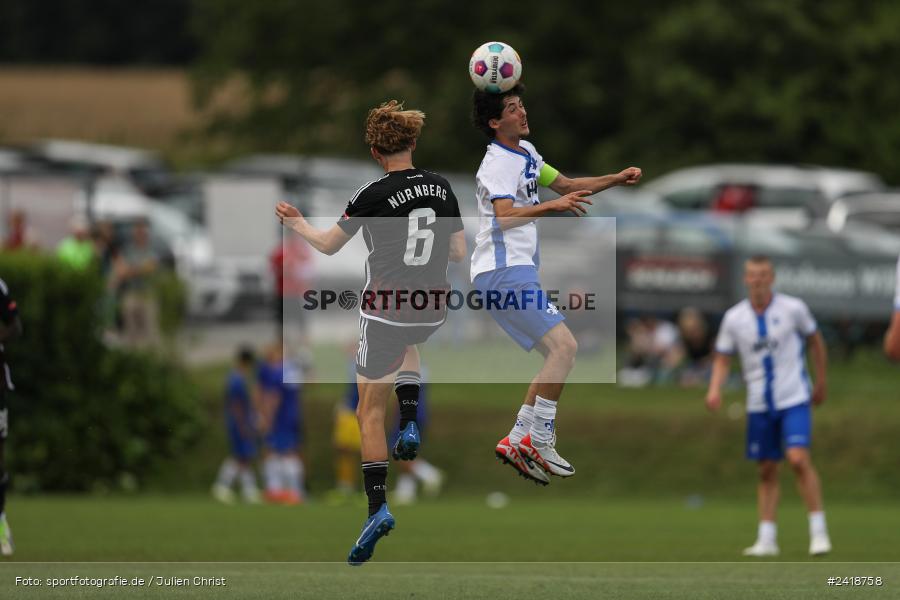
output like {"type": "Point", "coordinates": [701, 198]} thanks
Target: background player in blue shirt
{"type": "Point", "coordinates": [241, 429]}
{"type": "Point", "coordinates": [281, 415]}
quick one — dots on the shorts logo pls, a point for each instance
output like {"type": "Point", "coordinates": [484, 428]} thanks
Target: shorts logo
{"type": "Point", "coordinates": [754, 448]}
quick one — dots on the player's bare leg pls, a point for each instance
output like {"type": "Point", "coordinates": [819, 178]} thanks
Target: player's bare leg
{"type": "Point", "coordinates": [811, 491]}
{"type": "Point", "coordinates": [767, 493]}
{"type": "Point", "coordinates": [370, 413]}
{"type": "Point", "coordinates": [559, 348]}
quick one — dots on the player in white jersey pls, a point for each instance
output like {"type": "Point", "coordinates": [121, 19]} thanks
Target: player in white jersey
{"type": "Point", "coordinates": [892, 338]}
{"type": "Point", "coordinates": [770, 331]}
{"type": "Point", "coordinates": [506, 259]}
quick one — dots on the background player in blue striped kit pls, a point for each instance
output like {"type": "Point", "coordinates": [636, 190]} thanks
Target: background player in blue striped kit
{"type": "Point", "coordinates": [770, 331]}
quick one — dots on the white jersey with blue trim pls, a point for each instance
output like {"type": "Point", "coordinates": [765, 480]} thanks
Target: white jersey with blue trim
{"type": "Point", "coordinates": [506, 173]}
{"type": "Point", "coordinates": [897, 291]}
{"type": "Point", "coordinates": [772, 346]}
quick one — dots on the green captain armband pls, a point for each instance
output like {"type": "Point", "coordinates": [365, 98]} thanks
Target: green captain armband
{"type": "Point", "coordinates": [547, 175]}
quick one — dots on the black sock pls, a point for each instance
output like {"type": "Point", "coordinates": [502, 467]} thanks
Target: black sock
{"type": "Point", "coordinates": [375, 481]}
{"type": "Point", "coordinates": [4, 479]}
{"type": "Point", "coordinates": [407, 387]}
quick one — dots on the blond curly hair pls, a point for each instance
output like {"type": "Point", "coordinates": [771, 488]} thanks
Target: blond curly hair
{"type": "Point", "coordinates": [390, 129]}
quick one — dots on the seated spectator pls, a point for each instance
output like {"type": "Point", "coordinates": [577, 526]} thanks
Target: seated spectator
{"type": "Point", "coordinates": [696, 347]}
{"type": "Point", "coordinates": [653, 352]}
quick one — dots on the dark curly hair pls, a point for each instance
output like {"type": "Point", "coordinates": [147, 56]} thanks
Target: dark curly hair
{"type": "Point", "coordinates": [487, 106]}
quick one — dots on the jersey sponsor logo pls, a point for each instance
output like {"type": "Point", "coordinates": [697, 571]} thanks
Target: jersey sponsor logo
{"type": "Point", "coordinates": [765, 345]}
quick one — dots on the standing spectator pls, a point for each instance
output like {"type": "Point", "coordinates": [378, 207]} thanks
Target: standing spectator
{"type": "Point", "coordinates": [112, 268]}
{"type": "Point", "coordinates": [19, 236]}
{"type": "Point", "coordinates": [140, 313]}
{"type": "Point", "coordinates": [291, 263]}
{"type": "Point", "coordinates": [77, 250]}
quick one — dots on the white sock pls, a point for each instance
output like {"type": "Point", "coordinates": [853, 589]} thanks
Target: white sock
{"type": "Point", "coordinates": [227, 472]}
{"type": "Point", "coordinates": [424, 471]}
{"type": "Point", "coordinates": [767, 533]}
{"type": "Point", "coordinates": [817, 523]}
{"type": "Point", "coordinates": [406, 487]}
{"type": "Point", "coordinates": [248, 481]}
{"type": "Point", "coordinates": [272, 473]}
{"type": "Point", "coordinates": [292, 471]}
{"type": "Point", "coordinates": [544, 421]}
{"type": "Point", "coordinates": [523, 424]}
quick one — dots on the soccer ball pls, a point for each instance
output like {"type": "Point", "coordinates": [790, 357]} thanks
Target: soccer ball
{"type": "Point", "coordinates": [495, 67]}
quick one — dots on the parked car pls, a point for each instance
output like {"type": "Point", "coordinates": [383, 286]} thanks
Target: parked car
{"type": "Point", "coordinates": [785, 195]}
{"type": "Point", "coordinates": [879, 208]}
{"type": "Point", "coordinates": [143, 168]}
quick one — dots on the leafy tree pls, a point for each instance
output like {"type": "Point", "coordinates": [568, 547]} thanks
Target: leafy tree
{"type": "Point", "coordinates": [658, 84]}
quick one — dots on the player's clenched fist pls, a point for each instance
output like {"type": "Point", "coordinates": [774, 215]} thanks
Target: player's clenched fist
{"type": "Point", "coordinates": [713, 401]}
{"type": "Point", "coordinates": [630, 176]}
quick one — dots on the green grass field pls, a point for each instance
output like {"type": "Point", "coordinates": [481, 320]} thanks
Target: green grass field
{"type": "Point", "coordinates": [448, 548]}
{"type": "Point", "coordinates": [661, 507]}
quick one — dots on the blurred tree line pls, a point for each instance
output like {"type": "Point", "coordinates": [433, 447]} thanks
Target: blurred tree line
{"type": "Point", "coordinates": [653, 83]}
{"type": "Point", "coordinates": [656, 83]}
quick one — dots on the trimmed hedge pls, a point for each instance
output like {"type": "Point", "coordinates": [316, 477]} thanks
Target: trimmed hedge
{"type": "Point", "coordinates": [84, 416]}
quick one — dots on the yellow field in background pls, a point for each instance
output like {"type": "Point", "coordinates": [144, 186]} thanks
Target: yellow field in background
{"type": "Point", "coordinates": [137, 107]}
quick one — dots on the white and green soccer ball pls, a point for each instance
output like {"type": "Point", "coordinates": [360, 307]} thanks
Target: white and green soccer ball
{"type": "Point", "coordinates": [495, 67]}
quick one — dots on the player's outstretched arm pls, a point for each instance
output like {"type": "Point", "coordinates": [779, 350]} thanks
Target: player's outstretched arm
{"type": "Point", "coordinates": [720, 368]}
{"type": "Point", "coordinates": [565, 185]}
{"type": "Point", "coordinates": [819, 355]}
{"type": "Point", "coordinates": [509, 216]}
{"type": "Point", "coordinates": [892, 338]}
{"type": "Point", "coordinates": [325, 241]}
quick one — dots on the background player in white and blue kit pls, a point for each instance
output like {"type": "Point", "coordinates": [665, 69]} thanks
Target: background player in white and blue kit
{"type": "Point", "coordinates": [892, 338]}
{"type": "Point", "coordinates": [506, 258]}
{"type": "Point", "coordinates": [771, 331]}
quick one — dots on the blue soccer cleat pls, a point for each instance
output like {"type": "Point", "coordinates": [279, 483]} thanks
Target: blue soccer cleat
{"type": "Point", "coordinates": [376, 527]}
{"type": "Point", "coordinates": [407, 445]}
